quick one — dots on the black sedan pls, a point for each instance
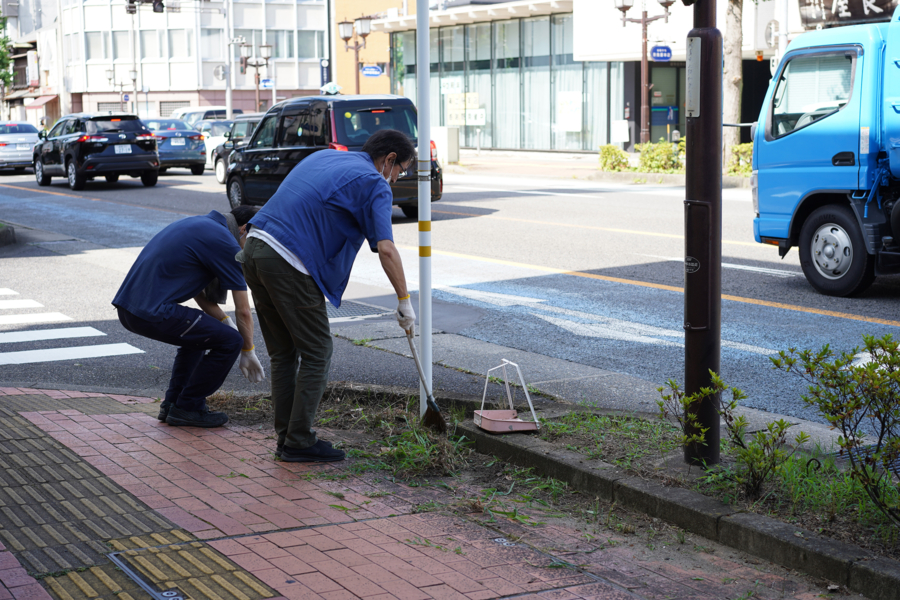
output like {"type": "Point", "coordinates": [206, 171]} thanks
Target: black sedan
{"type": "Point", "coordinates": [180, 145]}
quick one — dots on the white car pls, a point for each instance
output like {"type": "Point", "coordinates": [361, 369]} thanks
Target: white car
{"type": "Point", "coordinates": [214, 135]}
{"type": "Point", "coordinates": [17, 140]}
{"type": "Point", "coordinates": [193, 114]}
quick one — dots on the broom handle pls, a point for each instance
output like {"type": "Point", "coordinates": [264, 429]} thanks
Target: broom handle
{"type": "Point", "coordinates": [415, 353]}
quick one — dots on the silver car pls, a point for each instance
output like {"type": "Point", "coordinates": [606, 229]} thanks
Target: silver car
{"type": "Point", "coordinates": [17, 140]}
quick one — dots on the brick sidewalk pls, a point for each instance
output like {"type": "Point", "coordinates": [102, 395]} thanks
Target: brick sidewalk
{"type": "Point", "coordinates": [320, 531]}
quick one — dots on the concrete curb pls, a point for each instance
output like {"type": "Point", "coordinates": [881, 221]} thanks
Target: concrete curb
{"type": "Point", "coordinates": [728, 181]}
{"type": "Point", "coordinates": [7, 235]}
{"type": "Point", "coordinates": [770, 539]}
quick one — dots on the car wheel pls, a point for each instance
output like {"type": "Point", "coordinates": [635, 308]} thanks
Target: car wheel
{"type": "Point", "coordinates": [198, 169]}
{"type": "Point", "coordinates": [235, 192]}
{"type": "Point", "coordinates": [220, 171]}
{"type": "Point", "coordinates": [411, 211]}
{"type": "Point", "coordinates": [833, 253]}
{"type": "Point", "coordinates": [112, 178]}
{"type": "Point", "coordinates": [42, 179]}
{"type": "Point", "coordinates": [162, 170]}
{"type": "Point", "coordinates": [149, 178]}
{"type": "Point", "coordinates": [76, 179]}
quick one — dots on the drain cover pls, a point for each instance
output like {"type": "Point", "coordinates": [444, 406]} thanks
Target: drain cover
{"type": "Point", "coordinates": [354, 309]}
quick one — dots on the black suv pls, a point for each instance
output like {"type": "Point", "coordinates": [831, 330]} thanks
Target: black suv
{"type": "Point", "coordinates": [294, 129]}
{"type": "Point", "coordinates": [84, 146]}
{"type": "Point", "coordinates": [241, 130]}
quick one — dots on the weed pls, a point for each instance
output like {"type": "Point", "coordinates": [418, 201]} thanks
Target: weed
{"type": "Point", "coordinates": [419, 541]}
{"type": "Point", "coordinates": [680, 537]}
{"type": "Point", "coordinates": [376, 494]}
{"type": "Point", "coordinates": [362, 342]}
{"type": "Point", "coordinates": [232, 475]}
{"type": "Point", "coordinates": [337, 495]}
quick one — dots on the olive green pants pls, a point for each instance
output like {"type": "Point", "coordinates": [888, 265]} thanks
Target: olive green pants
{"type": "Point", "coordinates": [294, 323]}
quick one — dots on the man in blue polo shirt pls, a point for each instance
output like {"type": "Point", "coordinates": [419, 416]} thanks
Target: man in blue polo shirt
{"type": "Point", "coordinates": [299, 251]}
{"type": "Point", "coordinates": [178, 264]}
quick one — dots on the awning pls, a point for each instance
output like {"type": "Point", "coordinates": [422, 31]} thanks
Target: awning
{"type": "Point", "coordinates": [40, 102]}
{"type": "Point", "coordinates": [17, 94]}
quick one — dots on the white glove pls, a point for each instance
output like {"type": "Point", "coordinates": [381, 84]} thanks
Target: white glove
{"type": "Point", "coordinates": [228, 321]}
{"type": "Point", "coordinates": [406, 316]}
{"type": "Point", "coordinates": [250, 366]}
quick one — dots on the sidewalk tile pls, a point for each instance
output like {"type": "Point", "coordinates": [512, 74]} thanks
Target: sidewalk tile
{"type": "Point", "coordinates": [404, 590]}
{"type": "Point", "coordinates": [360, 586]}
{"type": "Point", "coordinates": [33, 591]}
{"type": "Point", "coordinates": [292, 565]}
{"type": "Point", "coordinates": [444, 592]}
{"type": "Point", "coordinates": [15, 577]}
{"type": "Point", "coordinates": [318, 583]}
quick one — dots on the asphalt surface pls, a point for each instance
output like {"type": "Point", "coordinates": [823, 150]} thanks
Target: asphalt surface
{"type": "Point", "coordinates": [574, 270]}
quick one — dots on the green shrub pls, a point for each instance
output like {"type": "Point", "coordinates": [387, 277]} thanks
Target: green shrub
{"type": "Point", "coordinates": [741, 161]}
{"type": "Point", "coordinates": [662, 157]}
{"type": "Point", "coordinates": [613, 159]}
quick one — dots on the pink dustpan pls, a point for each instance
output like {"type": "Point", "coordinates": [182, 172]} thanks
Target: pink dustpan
{"type": "Point", "coordinates": [505, 421]}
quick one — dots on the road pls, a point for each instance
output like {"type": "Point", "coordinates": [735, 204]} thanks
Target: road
{"type": "Point", "coordinates": [572, 269]}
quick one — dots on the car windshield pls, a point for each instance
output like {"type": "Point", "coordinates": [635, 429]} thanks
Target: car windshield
{"type": "Point", "coordinates": [6, 128]}
{"type": "Point", "coordinates": [166, 125]}
{"type": "Point", "coordinates": [192, 118]}
{"type": "Point", "coordinates": [114, 125]}
{"type": "Point", "coordinates": [355, 123]}
{"type": "Point", "coordinates": [219, 128]}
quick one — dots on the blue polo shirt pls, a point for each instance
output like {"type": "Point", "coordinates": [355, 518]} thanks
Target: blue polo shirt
{"type": "Point", "coordinates": [324, 209]}
{"type": "Point", "coordinates": [177, 264]}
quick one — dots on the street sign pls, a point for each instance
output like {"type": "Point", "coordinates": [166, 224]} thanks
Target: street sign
{"type": "Point", "coordinates": [661, 53]}
{"type": "Point", "coordinates": [372, 71]}
{"type": "Point", "coordinates": [267, 83]}
{"type": "Point", "coordinates": [324, 71]}
{"type": "Point", "coordinates": [125, 97]}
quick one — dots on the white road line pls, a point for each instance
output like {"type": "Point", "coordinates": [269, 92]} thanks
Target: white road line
{"type": "Point", "coordinates": [765, 271]}
{"type": "Point", "coordinates": [33, 318]}
{"type": "Point", "coordinates": [38, 335]}
{"type": "Point", "coordinates": [478, 189]}
{"type": "Point", "coordinates": [9, 304]}
{"type": "Point", "coordinates": [8, 292]}
{"type": "Point", "coordinates": [73, 353]}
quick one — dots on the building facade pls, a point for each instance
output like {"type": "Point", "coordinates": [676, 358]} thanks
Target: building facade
{"type": "Point", "coordinates": [375, 54]}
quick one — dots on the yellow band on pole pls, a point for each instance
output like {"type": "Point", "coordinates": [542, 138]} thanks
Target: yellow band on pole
{"type": "Point", "coordinates": [424, 251]}
{"type": "Point", "coordinates": [424, 225]}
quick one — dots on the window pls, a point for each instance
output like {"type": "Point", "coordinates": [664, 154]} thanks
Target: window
{"type": "Point", "coordinates": [305, 128]}
{"type": "Point", "coordinates": [211, 41]}
{"type": "Point", "coordinates": [181, 43]}
{"type": "Point", "coordinates": [121, 46]}
{"type": "Point", "coordinates": [356, 123]}
{"type": "Point", "coordinates": [108, 107]}
{"type": "Point", "coordinates": [810, 89]}
{"type": "Point", "coordinates": [95, 43]}
{"type": "Point", "coordinates": [57, 129]}
{"type": "Point", "coordinates": [113, 125]}
{"type": "Point", "coordinates": [265, 137]}
{"type": "Point", "coordinates": [73, 126]}
{"type": "Point", "coordinates": [309, 44]}
{"type": "Point", "coordinates": [251, 36]}
{"type": "Point", "coordinates": [242, 129]}
{"type": "Point", "coordinates": [282, 41]}
{"type": "Point", "coordinates": [17, 128]}
{"type": "Point", "coordinates": [217, 128]}
{"type": "Point", "coordinates": [507, 120]}
{"type": "Point", "coordinates": [166, 124]}
{"type": "Point", "coordinates": [151, 43]}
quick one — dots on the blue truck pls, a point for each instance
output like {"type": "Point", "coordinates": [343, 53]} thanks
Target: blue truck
{"type": "Point", "coordinates": [826, 156]}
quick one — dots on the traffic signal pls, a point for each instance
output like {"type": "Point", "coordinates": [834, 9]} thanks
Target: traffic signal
{"type": "Point", "coordinates": [158, 6]}
{"type": "Point", "coordinates": [243, 65]}
{"type": "Point", "coordinates": [131, 7]}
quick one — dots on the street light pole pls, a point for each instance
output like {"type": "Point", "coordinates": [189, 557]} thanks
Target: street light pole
{"type": "Point", "coordinates": [624, 6]}
{"type": "Point", "coordinates": [265, 51]}
{"type": "Point", "coordinates": [346, 29]}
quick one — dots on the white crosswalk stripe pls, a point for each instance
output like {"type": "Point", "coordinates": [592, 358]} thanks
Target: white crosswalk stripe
{"type": "Point", "coordinates": [40, 355]}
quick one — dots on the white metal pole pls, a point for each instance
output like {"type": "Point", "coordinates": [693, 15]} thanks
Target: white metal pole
{"type": "Point", "coordinates": [423, 64]}
{"type": "Point", "coordinates": [229, 55]}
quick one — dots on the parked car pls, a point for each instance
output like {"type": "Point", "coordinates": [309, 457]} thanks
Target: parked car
{"type": "Point", "coordinates": [293, 129]}
{"type": "Point", "coordinates": [179, 145]}
{"type": "Point", "coordinates": [17, 140]}
{"type": "Point", "coordinates": [83, 146]}
{"type": "Point", "coordinates": [213, 134]}
{"type": "Point", "coordinates": [240, 133]}
{"type": "Point", "coordinates": [192, 114]}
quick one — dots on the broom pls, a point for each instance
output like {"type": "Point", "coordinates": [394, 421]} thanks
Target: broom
{"type": "Point", "coordinates": [432, 417]}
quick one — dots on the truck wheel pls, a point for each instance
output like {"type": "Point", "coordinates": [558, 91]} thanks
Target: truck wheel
{"type": "Point", "coordinates": [833, 253]}
{"type": "Point", "coordinates": [410, 211]}
{"type": "Point", "coordinates": [235, 192]}
{"type": "Point", "coordinates": [220, 171]}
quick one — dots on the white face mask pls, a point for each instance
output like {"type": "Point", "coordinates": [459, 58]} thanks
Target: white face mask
{"type": "Point", "coordinates": [388, 176]}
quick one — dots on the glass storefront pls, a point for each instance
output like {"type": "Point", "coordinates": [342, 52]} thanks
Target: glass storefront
{"type": "Point", "coordinates": [514, 84]}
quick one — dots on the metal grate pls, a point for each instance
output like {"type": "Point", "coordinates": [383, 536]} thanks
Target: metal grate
{"type": "Point", "coordinates": [354, 309]}
{"type": "Point", "coordinates": [108, 107]}
{"type": "Point", "coordinates": [167, 108]}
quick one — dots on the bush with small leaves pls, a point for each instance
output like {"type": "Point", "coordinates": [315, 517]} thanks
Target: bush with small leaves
{"type": "Point", "coordinates": [662, 157]}
{"type": "Point", "coordinates": [741, 162]}
{"type": "Point", "coordinates": [613, 159]}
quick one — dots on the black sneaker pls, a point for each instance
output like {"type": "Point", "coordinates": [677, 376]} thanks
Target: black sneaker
{"type": "Point", "coordinates": [318, 452]}
{"type": "Point", "coordinates": [196, 418]}
{"type": "Point", "coordinates": [280, 448]}
{"type": "Point", "coordinates": [163, 411]}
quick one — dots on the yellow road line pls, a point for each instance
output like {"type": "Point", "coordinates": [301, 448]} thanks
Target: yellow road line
{"type": "Point", "coordinates": [668, 288]}
{"type": "Point", "coordinates": [591, 227]}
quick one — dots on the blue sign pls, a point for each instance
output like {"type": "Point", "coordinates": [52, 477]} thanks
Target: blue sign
{"type": "Point", "coordinates": [372, 71]}
{"type": "Point", "coordinates": [125, 98]}
{"type": "Point", "coordinates": [664, 115]}
{"type": "Point", "coordinates": [661, 53]}
{"type": "Point", "coordinates": [324, 71]}
{"type": "Point", "coordinates": [267, 84]}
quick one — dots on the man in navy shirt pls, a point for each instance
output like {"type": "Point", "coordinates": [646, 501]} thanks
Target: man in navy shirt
{"type": "Point", "coordinates": [175, 266]}
{"type": "Point", "coordinates": [299, 251]}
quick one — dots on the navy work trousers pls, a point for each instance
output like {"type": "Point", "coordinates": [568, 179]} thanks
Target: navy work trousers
{"type": "Point", "coordinates": [195, 374]}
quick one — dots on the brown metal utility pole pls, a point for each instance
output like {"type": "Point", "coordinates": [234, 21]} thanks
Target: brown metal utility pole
{"type": "Point", "coordinates": [624, 5]}
{"type": "Point", "coordinates": [703, 223]}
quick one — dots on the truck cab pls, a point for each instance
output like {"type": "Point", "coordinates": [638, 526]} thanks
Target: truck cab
{"type": "Point", "coordinates": [821, 172]}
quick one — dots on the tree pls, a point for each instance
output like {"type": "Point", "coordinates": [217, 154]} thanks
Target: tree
{"type": "Point", "coordinates": [733, 77]}
{"type": "Point", "coordinates": [6, 75]}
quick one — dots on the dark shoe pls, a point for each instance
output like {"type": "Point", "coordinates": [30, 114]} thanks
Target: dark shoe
{"type": "Point", "coordinates": [163, 411]}
{"type": "Point", "coordinates": [318, 452]}
{"type": "Point", "coordinates": [280, 448]}
{"type": "Point", "coordinates": [195, 418]}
